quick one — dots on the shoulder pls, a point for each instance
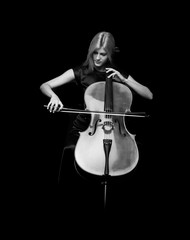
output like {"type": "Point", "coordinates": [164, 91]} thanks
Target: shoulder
{"type": "Point", "coordinates": [79, 71]}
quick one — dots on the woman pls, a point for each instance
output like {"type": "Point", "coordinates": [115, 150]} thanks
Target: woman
{"type": "Point", "coordinates": [97, 66]}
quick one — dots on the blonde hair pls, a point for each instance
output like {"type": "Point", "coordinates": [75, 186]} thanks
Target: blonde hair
{"type": "Point", "coordinates": [100, 40]}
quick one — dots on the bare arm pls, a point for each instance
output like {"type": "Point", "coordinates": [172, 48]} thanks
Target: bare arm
{"type": "Point", "coordinates": [139, 88]}
{"type": "Point", "coordinates": [55, 103]}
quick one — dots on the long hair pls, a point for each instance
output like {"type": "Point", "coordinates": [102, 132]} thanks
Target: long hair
{"type": "Point", "coordinates": [101, 39]}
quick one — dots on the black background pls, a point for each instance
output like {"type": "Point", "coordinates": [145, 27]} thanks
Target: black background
{"type": "Point", "coordinates": [43, 42]}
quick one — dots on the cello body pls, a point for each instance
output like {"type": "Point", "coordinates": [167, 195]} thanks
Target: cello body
{"type": "Point", "coordinates": [90, 150]}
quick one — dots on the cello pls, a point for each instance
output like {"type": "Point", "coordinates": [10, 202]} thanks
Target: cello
{"type": "Point", "coordinates": [107, 148]}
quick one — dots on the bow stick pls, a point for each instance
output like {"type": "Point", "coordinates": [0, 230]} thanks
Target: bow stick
{"type": "Point", "coordinates": [129, 114]}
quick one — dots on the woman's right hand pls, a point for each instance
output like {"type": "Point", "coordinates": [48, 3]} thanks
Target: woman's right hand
{"type": "Point", "coordinates": [54, 105]}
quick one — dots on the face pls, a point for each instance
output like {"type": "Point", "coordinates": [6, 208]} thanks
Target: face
{"type": "Point", "coordinates": [100, 57]}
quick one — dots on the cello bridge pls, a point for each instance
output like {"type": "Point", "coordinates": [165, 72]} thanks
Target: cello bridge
{"type": "Point", "coordinates": [108, 127]}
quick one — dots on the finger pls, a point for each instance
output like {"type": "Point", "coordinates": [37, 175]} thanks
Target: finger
{"type": "Point", "coordinates": [55, 108]}
{"type": "Point", "coordinates": [51, 107]}
{"type": "Point", "coordinates": [48, 106]}
{"type": "Point", "coordinates": [109, 69]}
{"type": "Point", "coordinates": [60, 107]}
{"type": "Point", "coordinates": [111, 75]}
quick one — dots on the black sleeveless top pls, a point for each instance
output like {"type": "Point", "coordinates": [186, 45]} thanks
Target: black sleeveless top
{"type": "Point", "coordinates": [84, 79]}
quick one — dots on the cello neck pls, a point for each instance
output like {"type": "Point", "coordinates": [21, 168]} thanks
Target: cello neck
{"type": "Point", "coordinates": [108, 101]}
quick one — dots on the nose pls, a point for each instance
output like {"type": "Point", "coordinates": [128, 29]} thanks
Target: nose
{"type": "Point", "coordinates": [98, 56]}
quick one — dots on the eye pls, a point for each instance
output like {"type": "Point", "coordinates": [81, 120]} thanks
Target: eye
{"type": "Point", "coordinates": [103, 54]}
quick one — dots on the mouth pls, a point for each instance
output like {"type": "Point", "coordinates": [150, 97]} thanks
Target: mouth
{"type": "Point", "coordinates": [97, 62]}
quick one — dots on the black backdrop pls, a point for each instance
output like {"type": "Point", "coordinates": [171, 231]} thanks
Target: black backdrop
{"type": "Point", "coordinates": [46, 41]}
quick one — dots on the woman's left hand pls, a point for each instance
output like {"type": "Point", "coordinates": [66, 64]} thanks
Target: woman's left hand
{"type": "Point", "coordinates": [116, 75]}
